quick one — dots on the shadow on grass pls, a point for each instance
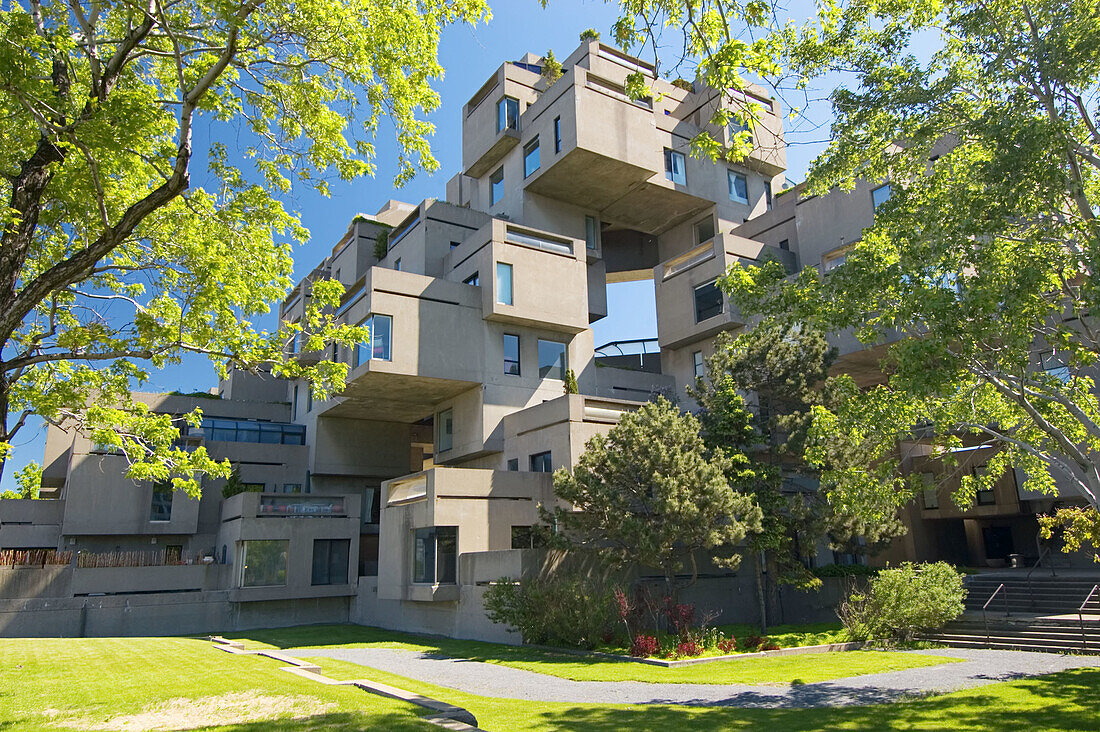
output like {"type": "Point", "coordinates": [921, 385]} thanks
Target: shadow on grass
{"type": "Point", "coordinates": [333, 722]}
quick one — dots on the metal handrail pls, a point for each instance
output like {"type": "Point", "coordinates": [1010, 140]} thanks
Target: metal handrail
{"type": "Point", "coordinates": [1038, 562]}
{"type": "Point", "coordinates": [985, 617]}
{"type": "Point", "coordinates": [630, 341]}
{"type": "Point", "coordinates": [1081, 617]}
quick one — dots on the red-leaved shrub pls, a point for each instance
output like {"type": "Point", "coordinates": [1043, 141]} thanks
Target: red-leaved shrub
{"type": "Point", "coordinates": [644, 646]}
{"type": "Point", "coordinates": [728, 646]}
{"type": "Point", "coordinates": [689, 648]}
{"type": "Point", "coordinates": [769, 646]}
{"type": "Point", "coordinates": [754, 641]}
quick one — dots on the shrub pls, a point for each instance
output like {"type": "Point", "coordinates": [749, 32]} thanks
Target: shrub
{"type": "Point", "coordinates": [688, 649]}
{"type": "Point", "coordinates": [381, 244]}
{"type": "Point", "coordinates": [560, 611]}
{"type": "Point", "coordinates": [728, 646]}
{"type": "Point", "coordinates": [683, 84]}
{"type": "Point", "coordinates": [590, 34]}
{"type": "Point", "coordinates": [845, 570]}
{"type": "Point", "coordinates": [769, 646]}
{"type": "Point", "coordinates": [899, 603]}
{"type": "Point", "coordinates": [753, 641]}
{"type": "Point", "coordinates": [551, 67]}
{"type": "Point", "coordinates": [681, 616]}
{"type": "Point", "coordinates": [644, 646]}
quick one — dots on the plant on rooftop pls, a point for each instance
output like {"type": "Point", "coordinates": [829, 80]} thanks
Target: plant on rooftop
{"type": "Point", "coordinates": [590, 34]}
{"type": "Point", "coordinates": [114, 262]}
{"type": "Point", "coordinates": [381, 243]}
{"type": "Point", "coordinates": [551, 67]}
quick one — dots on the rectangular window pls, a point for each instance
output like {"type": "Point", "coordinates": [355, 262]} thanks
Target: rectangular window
{"type": "Point", "coordinates": [835, 261]}
{"type": "Point", "coordinates": [330, 561]}
{"type": "Point", "coordinates": [263, 563]}
{"type": "Point", "coordinates": [697, 364]}
{"type": "Point", "coordinates": [380, 328]}
{"type": "Point", "coordinates": [245, 430]}
{"type": "Point", "coordinates": [474, 279]}
{"type": "Point", "coordinates": [557, 134]}
{"type": "Point", "coordinates": [1053, 364]}
{"type": "Point", "coordinates": [513, 465]}
{"type": "Point", "coordinates": [295, 403]}
{"type": "Point", "coordinates": [496, 185]}
{"type": "Point", "coordinates": [160, 509]}
{"type": "Point", "coordinates": [736, 127]}
{"type": "Point", "coordinates": [253, 487]}
{"type": "Point", "coordinates": [511, 354]}
{"type": "Point", "coordinates": [540, 463]}
{"type": "Point", "coordinates": [435, 555]}
{"type": "Point", "coordinates": [531, 157]}
{"type": "Point", "coordinates": [397, 264]}
{"type": "Point", "coordinates": [987, 497]}
{"type": "Point", "coordinates": [591, 232]}
{"type": "Point", "coordinates": [931, 496]}
{"type": "Point", "coordinates": [739, 187]}
{"type": "Point", "coordinates": [768, 195]}
{"type": "Point", "coordinates": [708, 301]}
{"type": "Point", "coordinates": [675, 169]}
{"type": "Point", "coordinates": [292, 487]}
{"type": "Point", "coordinates": [523, 537]}
{"type": "Point", "coordinates": [704, 230]}
{"type": "Point", "coordinates": [552, 363]}
{"type": "Point", "coordinates": [785, 245]}
{"type": "Point", "coordinates": [504, 283]}
{"type": "Point", "coordinates": [880, 195]}
{"type": "Point", "coordinates": [444, 431]}
{"type": "Point", "coordinates": [507, 114]}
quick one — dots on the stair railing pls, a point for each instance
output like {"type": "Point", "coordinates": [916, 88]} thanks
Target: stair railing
{"type": "Point", "coordinates": [985, 618]}
{"type": "Point", "coordinates": [1042, 551]}
{"type": "Point", "coordinates": [1081, 616]}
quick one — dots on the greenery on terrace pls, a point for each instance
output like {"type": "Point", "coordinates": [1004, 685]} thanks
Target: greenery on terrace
{"type": "Point", "coordinates": [780, 670]}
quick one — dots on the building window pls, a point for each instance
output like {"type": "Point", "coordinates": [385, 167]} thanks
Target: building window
{"type": "Point", "coordinates": [986, 497]}
{"type": "Point", "coordinates": [675, 169]}
{"type": "Point", "coordinates": [552, 364]}
{"type": "Point", "coordinates": [591, 232]}
{"type": "Point", "coordinates": [455, 245]}
{"type": "Point", "coordinates": [504, 283]}
{"type": "Point", "coordinates": [531, 157]}
{"type": "Point", "coordinates": [785, 245]}
{"type": "Point", "coordinates": [697, 364]}
{"type": "Point", "coordinates": [835, 261]}
{"type": "Point", "coordinates": [704, 230]}
{"type": "Point", "coordinates": [295, 402]}
{"type": "Point", "coordinates": [253, 487]}
{"type": "Point", "coordinates": [292, 487]}
{"type": "Point", "coordinates": [380, 328]}
{"type": "Point", "coordinates": [736, 127]}
{"type": "Point", "coordinates": [330, 561]}
{"type": "Point", "coordinates": [263, 563]}
{"type": "Point", "coordinates": [507, 114]}
{"type": "Point", "coordinates": [540, 463]}
{"type": "Point", "coordinates": [931, 496]}
{"type": "Point", "coordinates": [397, 264]}
{"type": "Point", "coordinates": [708, 301]}
{"type": "Point", "coordinates": [435, 555]}
{"type": "Point", "coordinates": [160, 509]}
{"type": "Point", "coordinates": [513, 465]}
{"type": "Point", "coordinates": [511, 354]}
{"type": "Point", "coordinates": [739, 187]}
{"type": "Point", "coordinates": [768, 194]}
{"type": "Point", "coordinates": [557, 134]}
{"type": "Point", "coordinates": [1054, 365]}
{"type": "Point", "coordinates": [245, 430]}
{"type": "Point", "coordinates": [880, 195]}
{"type": "Point", "coordinates": [523, 537]}
{"type": "Point", "coordinates": [496, 185]}
{"type": "Point", "coordinates": [444, 430]}
{"type": "Point", "coordinates": [474, 279]}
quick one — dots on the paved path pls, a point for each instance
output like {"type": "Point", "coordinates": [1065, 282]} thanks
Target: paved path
{"type": "Point", "coordinates": [487, 679]}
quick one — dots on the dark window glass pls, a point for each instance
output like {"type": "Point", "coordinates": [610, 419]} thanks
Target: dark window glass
{"type": "Point", "coordinates": [675, 170]}
{"type": "Point", "coordinates": [240, 430]}
{"type": "Point", "coordinates": [557, 134]}
{"type": "Point", "coordinates": [785, 245]}
{"type": "Point", "coordinates": [697, 364]}
{"type": "Point", "coordinates": [263, 563]}
{"type": "Point", "coordinates": [522, 537]}
{"type": "Point", "coordinates": [507, 114]}
{"type": "Point", "coordinates": [552, 364]}
{"type": "Point", "coordinates": [708, 301]}
{"type": "Point", "coordinates": [738, 187]}
{"type": "Point", "coordinates": [160, 509]}
{"type": "Point", "coordinates": [540, 463]}
{"type": "Point", "coordinates": [511, 354]}
{"type": "Point", "coordinates": [531, 160]}
{"type": "Point", "coordinates": [444, 431]}
{"type": "Point", "coordinates": [704, 230]}
{"type": "Point", "coordinates": [513, 464]}
{"type": "Point", "coordinates": [435, 555]}
{"type": "Point", "coordinates": [474, 279]}
{"type": "Point", "coordinates": [330, 561]}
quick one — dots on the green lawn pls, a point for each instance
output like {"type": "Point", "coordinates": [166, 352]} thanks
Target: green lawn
{"type": "Point", "coordinates": [1062, 702]}
{"type": "Point", "coordinates": [777, 669]}
{"type": "Point", "coordinates": [89, 683]}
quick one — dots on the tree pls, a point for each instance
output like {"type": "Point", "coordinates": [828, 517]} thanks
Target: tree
{"type": "Point", "coordinates": [981, 263]}
{"type": "Point", "coordinates": [645, 494]}
{"type": "Point", "coordinates": [112, 262]}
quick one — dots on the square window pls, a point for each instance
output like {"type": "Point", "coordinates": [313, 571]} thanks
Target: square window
{"type": "Point", "coordinates": [507, 114]}
{"type": "Point", "coordinates": [737, 127]}
{"type": "Point", "coordinates": [444, 430]}
{"type": "Point", "coordinates": [697, 365]}
{"type": "Point", "coordinates": [552, 362]}
{"type": "Point", "coordinates": [675, 168]}
{"type": "Point", "coordinates": [263, 563]}
{"type": "Point", "coordinates": [504, 283]}
{"type": "Point", "coordinates": [531, 157]}
{"type": "Point", "coordinates": [435, 555]}
{"type": "Point", "coordinates": [496, 185]}
{"type": "Point", "coordinates": [330, 561]}
{"type": "Point", "coordinates": [380, 328]}
{"type": "Point", "coordinates": [704, 230]}
{"type": "Point", "coordinates": [523, 537]}
{"type": "Point", "coordinates": [557, 134]}
{"type": "Point", "coordinates": [708, 301]}
{"type": "Point", "coordinates": [540, 463]}
{"type": "Point", "coordinates": [785, 245]}
{"type": "Point", "coordinates": [511, 354]}
{"type": "Point", "coordinates": [738, 186]}
{"type": "Point", "coordinates": [880, 195]}
{"type": "Point", "coordinates": [513, 465]}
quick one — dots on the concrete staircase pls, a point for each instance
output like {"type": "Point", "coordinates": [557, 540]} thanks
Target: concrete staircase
{"type": "Point", "coordinates": [1036, 616]}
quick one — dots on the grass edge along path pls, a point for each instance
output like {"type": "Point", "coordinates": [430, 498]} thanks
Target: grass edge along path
{"type": "Point", "coordinates": [775, 669]}
{"type": "Point", "coordinates": [1056, 702]}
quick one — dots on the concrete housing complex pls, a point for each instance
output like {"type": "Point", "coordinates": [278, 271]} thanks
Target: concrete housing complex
{"type": "Point", "coordinates": [396, 501]}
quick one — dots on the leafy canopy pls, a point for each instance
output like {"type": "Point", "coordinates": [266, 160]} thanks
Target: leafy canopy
{"type": "Point", "coordinates": [111, 262]}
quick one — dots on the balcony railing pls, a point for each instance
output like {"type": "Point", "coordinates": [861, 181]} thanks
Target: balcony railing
{"type": "Point", "coordinates": [302, 507]}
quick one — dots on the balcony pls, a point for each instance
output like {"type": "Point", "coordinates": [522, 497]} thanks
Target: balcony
{"type": "Point", "coordinates": [27, 524]}
{"type": "Point", "coordinates": [288, 506]}
{"type": "Point", "coordinates": [484, 143]}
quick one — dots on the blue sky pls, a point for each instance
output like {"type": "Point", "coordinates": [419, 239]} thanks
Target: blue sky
{"type": "Point", "coordinates": [469, 56]}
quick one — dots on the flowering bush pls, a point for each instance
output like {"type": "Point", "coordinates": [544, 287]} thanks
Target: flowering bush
{"type": "Point", "coordinates": [681, 616]}
{"type": "Point", "coordinates": [644, 646]}
{"type": "Point", "coordinates": [728, 646]}
{"type": "Point", "coordinates": [688, 649]}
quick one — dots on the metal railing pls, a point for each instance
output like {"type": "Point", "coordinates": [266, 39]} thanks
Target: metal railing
{"type": "Point", "coordinates": [1038, 562]}
{"type": "Point", "coordinates": [985, 617]}
{"type": "Point", "coordinates": [1095, 591]}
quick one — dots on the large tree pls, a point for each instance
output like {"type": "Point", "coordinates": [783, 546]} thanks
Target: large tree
{"type": "Point", "coordinates": [111, 262]}
{"type": "Point", "coordinates": [981, 263]}
{"type": "Point", "coordinates": [647, 494]}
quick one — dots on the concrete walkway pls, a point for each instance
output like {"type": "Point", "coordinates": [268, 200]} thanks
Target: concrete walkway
{"type": "Point", "coordinates": [979, 667]}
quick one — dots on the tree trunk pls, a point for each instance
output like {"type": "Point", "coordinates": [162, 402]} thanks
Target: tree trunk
{"type": "Point", "coordinates": [761, 591]}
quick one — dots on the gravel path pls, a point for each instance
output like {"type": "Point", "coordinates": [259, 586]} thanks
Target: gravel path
{"type": "Point", "coordinates": [979, 667]}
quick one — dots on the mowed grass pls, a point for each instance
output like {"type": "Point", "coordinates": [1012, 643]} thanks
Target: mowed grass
{"type": "Point", "coordinates": [85, 683]}
{"type": "Point", "coordinates": [1062, 702]}
{"type": "Point", "coordinates": [773, 670]}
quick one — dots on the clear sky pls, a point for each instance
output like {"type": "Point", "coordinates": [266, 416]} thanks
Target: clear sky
{"type": "Point", "coordinates": [469, 56]}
